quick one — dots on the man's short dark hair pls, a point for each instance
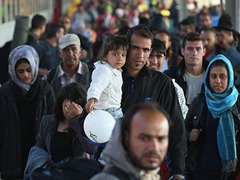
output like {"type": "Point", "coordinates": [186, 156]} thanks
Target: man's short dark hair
{"type": "Point", "coordinates": [140, 30]}
{"type": "Point", "coordinates": [159, 46]}
{"type": "Point", "coordinates": [52, 29]}
{"type": "Point", "coordinates": [188, 21]}
{"type": "Point", "coordinates": [37, 21]}
{"type": "Point", "coordinates": [192, 36]}
{"type": "Point", "coordinates": [128, 116]}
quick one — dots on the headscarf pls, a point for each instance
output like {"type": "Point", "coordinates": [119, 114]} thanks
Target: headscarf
{"type": "Point", "coordinates": [23, 52]}
{"type": "Point", "coordinates": [219, 105]}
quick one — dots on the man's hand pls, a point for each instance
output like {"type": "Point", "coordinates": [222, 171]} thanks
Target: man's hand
{"type": "Point", "coordinates": [194, 134]}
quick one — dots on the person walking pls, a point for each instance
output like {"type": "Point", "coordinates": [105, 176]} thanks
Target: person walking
{"type": "Point", "coordinates": [24, 99]}
{"type": "Point", "coordinates": [142, 84]}
{"type": "Point", "coordinates": [212, 125]}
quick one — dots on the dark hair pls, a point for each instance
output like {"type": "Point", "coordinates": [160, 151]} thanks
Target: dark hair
{"type": "Point", "coordinates": [208, 29]}
{"type": "Point", "coordinates": [165, 32]}
{"type": "Point", "coordinates": [21, 61]}
{"type": "Point", "coordinates": [128, 115]}
{"type": "Point", "coordinates": [159, 46]}
{"type": "Point", "coordinates": [112, 42]}
{"type": "Point", "coordinates": [52, 29]}
{"type": "Point", "coordinates": [218, 63]}
{"type": "Point", "coordinates": [192, 36]}
{"type": "Point", "coordinates": [188, 21]}
{"type": "Point", "coordinates": [74, 92]}
{"type": "Point", "coordinates": [38, 21]}
{"type": "Point", "coordinates": [157, 23]}
{"type": "Point", "coordinates": [140, 30]}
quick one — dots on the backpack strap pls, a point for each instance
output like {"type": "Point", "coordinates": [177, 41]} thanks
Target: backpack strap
{"type": "Point", "coordinates": [51, 75]}
{"type": "Point", "coordinates": [120, 174]}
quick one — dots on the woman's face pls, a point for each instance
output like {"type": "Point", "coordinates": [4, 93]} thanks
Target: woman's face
{"type": "Point", "coordinates": [218, 78]}
{"type": "Point", "coordinates": [24, 72]}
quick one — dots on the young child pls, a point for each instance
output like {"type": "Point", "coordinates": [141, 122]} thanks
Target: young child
{"type": "Point", "coordinates": [105, 91]}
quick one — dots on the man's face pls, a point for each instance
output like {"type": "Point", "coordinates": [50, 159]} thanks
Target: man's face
{"type": "Point", "coordinates": [147, 142]}
{"type": "Point", "coordinates": [209, 40]}
{"type": "Point", "coordinates": [205, 21]}
{"type": "Point", "coordinates": [138, 54]}
{"type": "Point", "coordinates": [70, 56]}
{"type": "Point", "coordinates": [225, 39]}
{"type": "Point", "coordinates": [193, 53]}
{"type": "Point", "coordinates": [66, 22]}
{"type": "Point", "coordinates": [164, 38]}
{"type": "Point", "coordinates": [156, 61]}
{"type": "Point", "coordinates": [185, 29]}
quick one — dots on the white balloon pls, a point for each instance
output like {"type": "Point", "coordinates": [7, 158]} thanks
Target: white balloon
{"type": "Point", "coordinates": [98, 126]}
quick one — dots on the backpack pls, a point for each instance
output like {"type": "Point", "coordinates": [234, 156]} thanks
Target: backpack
{"type": "Point", "coordinates": [69, 169]}
{"type": "Point", "coordinates": [51, 75]}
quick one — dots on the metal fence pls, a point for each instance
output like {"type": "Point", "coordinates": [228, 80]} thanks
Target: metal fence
{"type": "Point", "coordinates": [9, 9]}
{"type": "Point", "coordinates": [12, 8]}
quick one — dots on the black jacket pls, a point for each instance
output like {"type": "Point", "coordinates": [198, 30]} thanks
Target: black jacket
{"type": "Point", "coordinates": [177, 73]}
{"type": "Point", "coordinates": [195, 120]}
{"type": "Point", "coordinates": [10, 130]}
{"type": "Point", "coordinates": [157, 87]}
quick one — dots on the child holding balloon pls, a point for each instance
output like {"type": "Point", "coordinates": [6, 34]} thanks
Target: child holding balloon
{"type": "Point", "coordinates": [105, 91]}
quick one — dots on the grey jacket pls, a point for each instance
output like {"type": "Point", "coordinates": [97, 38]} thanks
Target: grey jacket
{"type": "Point", "coordinates": [115, 155]}
{"type": "Point", "coordinates": [40, 153]}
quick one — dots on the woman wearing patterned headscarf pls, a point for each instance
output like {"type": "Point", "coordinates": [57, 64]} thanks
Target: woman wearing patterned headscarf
{"type": "Point", "coordinates": [24, 99]}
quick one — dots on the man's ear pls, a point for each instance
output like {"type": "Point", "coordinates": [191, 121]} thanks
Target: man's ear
{"type": "Point", "coordinates": [182, 51]}
{"type": "Point", "coordinates": [59, 53]}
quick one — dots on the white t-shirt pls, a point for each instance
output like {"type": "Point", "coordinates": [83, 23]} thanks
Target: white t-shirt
{"type": "Point", "coordinates": [194, 84]}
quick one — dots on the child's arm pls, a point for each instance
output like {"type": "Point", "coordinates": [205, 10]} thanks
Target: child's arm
{"type": "Point", "coordinates": [90, 104]}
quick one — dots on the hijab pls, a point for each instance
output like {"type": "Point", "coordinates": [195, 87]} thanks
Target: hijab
{"type": "Point", "coordinates": [23, 52]}
{"type": "Point", "coordinates": [219, 105]}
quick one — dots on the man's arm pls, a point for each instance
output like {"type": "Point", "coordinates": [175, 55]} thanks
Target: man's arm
{"type": "Point", "coordinates": [177, 142]}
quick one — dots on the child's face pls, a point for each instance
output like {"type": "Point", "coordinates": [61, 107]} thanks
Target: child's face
{"type": "Point", "coordinates": [116, 58]}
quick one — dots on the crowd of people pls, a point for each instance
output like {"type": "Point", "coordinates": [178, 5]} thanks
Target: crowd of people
{"type": "Point", "coordinates": [173, 89]}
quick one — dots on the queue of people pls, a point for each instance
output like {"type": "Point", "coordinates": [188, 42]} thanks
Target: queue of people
{"type": "Point", "coordinates": [174, 98]}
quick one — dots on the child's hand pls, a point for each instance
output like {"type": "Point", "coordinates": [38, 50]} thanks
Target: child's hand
{"type": "Point", "coordinates": [90, 104]}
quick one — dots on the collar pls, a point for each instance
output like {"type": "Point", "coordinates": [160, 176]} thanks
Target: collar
{"type": "Point", "coordinates": [61, 71]}
{"type": "Point", "coordinates": [145, 71]}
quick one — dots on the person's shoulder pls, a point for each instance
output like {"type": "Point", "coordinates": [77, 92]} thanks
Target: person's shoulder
{"type": "Point", "coordinates": [5, 85]}
{"type": "Point", "coordinates": [45, 86]}
{"type": "Point", "coordinates": [5, 88]}
{"type": "Point", "coordinates": [103, 67]}
{"type": "Point", "coordinates": [49, 120]}
{"type": "Point", "coordinates": [104, 176]}
{"type": "Point", "coordinates": [172, 71]}
{"type": "Point", "coordinates": [159, 75]}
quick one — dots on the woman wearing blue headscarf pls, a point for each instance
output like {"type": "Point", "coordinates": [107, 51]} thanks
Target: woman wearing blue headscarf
{"type": "Point", "coordinates": [212, 124]}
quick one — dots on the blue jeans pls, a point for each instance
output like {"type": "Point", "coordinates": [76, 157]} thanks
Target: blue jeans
{"type": "Point", "coordinates": [116, 113]}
